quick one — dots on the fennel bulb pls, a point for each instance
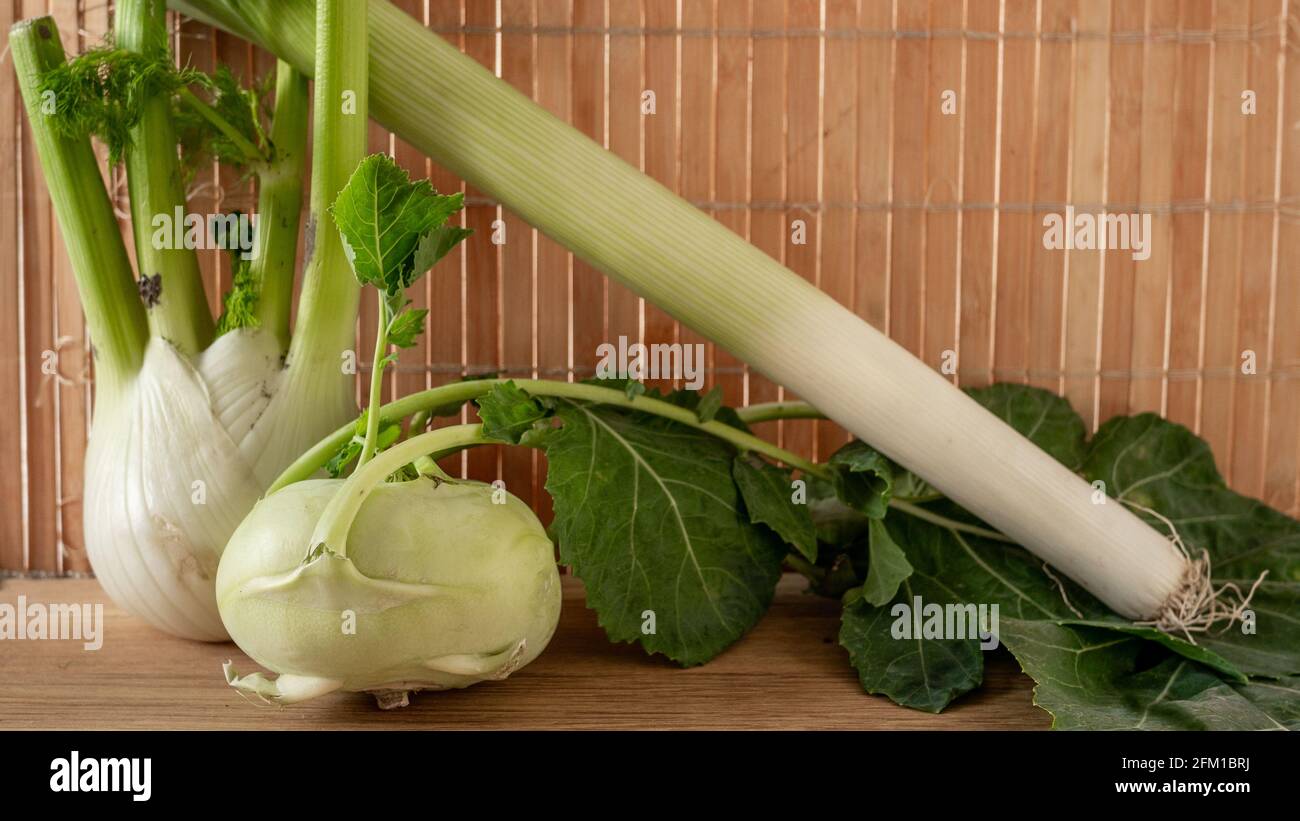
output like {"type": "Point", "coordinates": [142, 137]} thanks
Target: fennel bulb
{"type": "Point", "coordinates": [193, 418]}
{"type": "Point", "coordinates": [180, 457]}
{"type": "Point", "coordinates": [440, 585]}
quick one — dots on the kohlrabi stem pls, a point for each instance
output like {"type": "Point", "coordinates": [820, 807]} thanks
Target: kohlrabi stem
{"type": "Point", "coordinates": [330, 293]}
{"type": "Point", "coordinates": [427, 466]}
{"type": "Point", "coordinates": [318, 455]}
{"type": "Point", "coordinates": [181, 313]}
{"type": "Point", "coordinates": [419, 421]}
{"type": "Point", "coordinates": [944, 522]}
{"type": "Point", "coordinates": [279, 203]}
{"type": "Point", "coordinates": [771, 411]}
{"type": "Point", "coordinates": [114, 314]}
{"type": "Point", "coordinates": [253, 156]}
{"type": "Point", "coordinates": [376, 385]}
{"type": "Point", "coordinates": [335, 521]}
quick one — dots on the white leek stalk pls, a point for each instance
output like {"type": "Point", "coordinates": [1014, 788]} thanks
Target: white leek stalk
{"type": "Point", "coordinates": [638, 232]}
{"type": "Point", "coordinates": [188, 431]}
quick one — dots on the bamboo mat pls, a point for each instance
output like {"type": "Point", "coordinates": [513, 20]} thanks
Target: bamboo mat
{"type": "Point", "coordinates": [916, 145]}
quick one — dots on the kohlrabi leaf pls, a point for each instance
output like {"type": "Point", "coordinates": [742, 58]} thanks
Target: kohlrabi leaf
{"type": "Point", "coordinates": [435, 245]}
{"type": "Point", "coordinates": [895, 659]}
{"type": "Point", "coordinates": [1164, 467]}
{"type": "Point", "coordinates": [769, 500]}
{"type": "Point", "coordinates": [979, 570]}
{"type": "Point", "coordinates": [836, 523]}
{"type": "Point", "coordinates": [1153, 463]}
{"type": "Point", "coordinates": [344, 456]}
{"type": "Point", "coordinates": [1160, 466]}
{"type": "Point", "coordinates": [864, 478]}
{"type": "Point", "coordinates": [1279, 700]}
{"type": "Point", "coordinates": [509, 414]}
{"type": "Point", "coordinates": [1040, 416]}
{"type": "Point", "coordinates": [704, 404]}
{"type": "Point", "coordinates": [386, 222]}
{"type": "Point", "coordinates": [710, 404]}
{"type": "Point", "coordinates": [649, 517]}
{"type": "Point", "coordinates": [1097, 679]}
{"type": "Point", "coordinates": [1272, 645]}
{"type": "Point", "coordinates": [389, 432]}
{"type": "Point", "coordinates": [407, 327]}
{"type": "Point", "coordinates": [887, 566]}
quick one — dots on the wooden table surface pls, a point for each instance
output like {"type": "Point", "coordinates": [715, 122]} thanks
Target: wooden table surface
{"type": "Point", "coordinates": [789, 673]}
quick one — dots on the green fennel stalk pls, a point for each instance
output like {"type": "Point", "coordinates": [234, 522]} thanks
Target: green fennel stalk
{"type": "Point", "coordinates": [181, 313]}
{"type": "Point", "coordinates": [105, 282]}
{"type": "Point", "coordinates": [340, 131]}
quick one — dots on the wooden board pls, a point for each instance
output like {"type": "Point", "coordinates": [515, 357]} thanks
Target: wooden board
{"type": "Point", "coordinates": [789, 673]}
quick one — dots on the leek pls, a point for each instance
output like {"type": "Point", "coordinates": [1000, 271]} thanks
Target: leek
{"type": "Point", "coordinates": [639, 233]}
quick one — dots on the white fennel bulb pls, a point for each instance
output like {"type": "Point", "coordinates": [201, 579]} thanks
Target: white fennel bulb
{"type": "Point", "coordinates": [182, 455]}
{"type": "Point", "coordinates": [195, 418]}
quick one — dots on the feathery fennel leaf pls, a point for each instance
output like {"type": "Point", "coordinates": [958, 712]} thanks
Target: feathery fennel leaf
{"type": "Point", "coordinates": [103, 92]}
{"type": "Point", "coordinates": [240, 302]}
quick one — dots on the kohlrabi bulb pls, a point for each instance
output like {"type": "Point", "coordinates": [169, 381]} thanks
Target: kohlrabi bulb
{"type": "Point", "coordinates": [441, 585]}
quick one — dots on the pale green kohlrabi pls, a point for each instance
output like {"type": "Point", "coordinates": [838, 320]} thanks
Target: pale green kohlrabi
{"type": "Point", "coordinates": [398, 578]}
{"type": "Point", "coordinates": [433, 585]}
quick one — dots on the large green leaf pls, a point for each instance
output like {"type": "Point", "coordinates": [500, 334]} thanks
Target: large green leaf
{"type": "Point", "coordinates": [648, 516]}
{"type": "Point", "coordinates": [768, 496]}
{"type": "Point", "coordinates": [1154, 463]}
{"type": "Point", "coordinates": [925, 674]}
{"type": "Point", "coordinates": [1092, 678]}
{"type": "Point", "coordinates": [863, 477]}
{"type": "Point", "coordinates": [887, 566]}
{"type": "Point", "coordinates": [1040, 416]}
{"type": "Point", "coordinates": [390, 226]}
{"type": "Point", "coordinates": [1143, 459]}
